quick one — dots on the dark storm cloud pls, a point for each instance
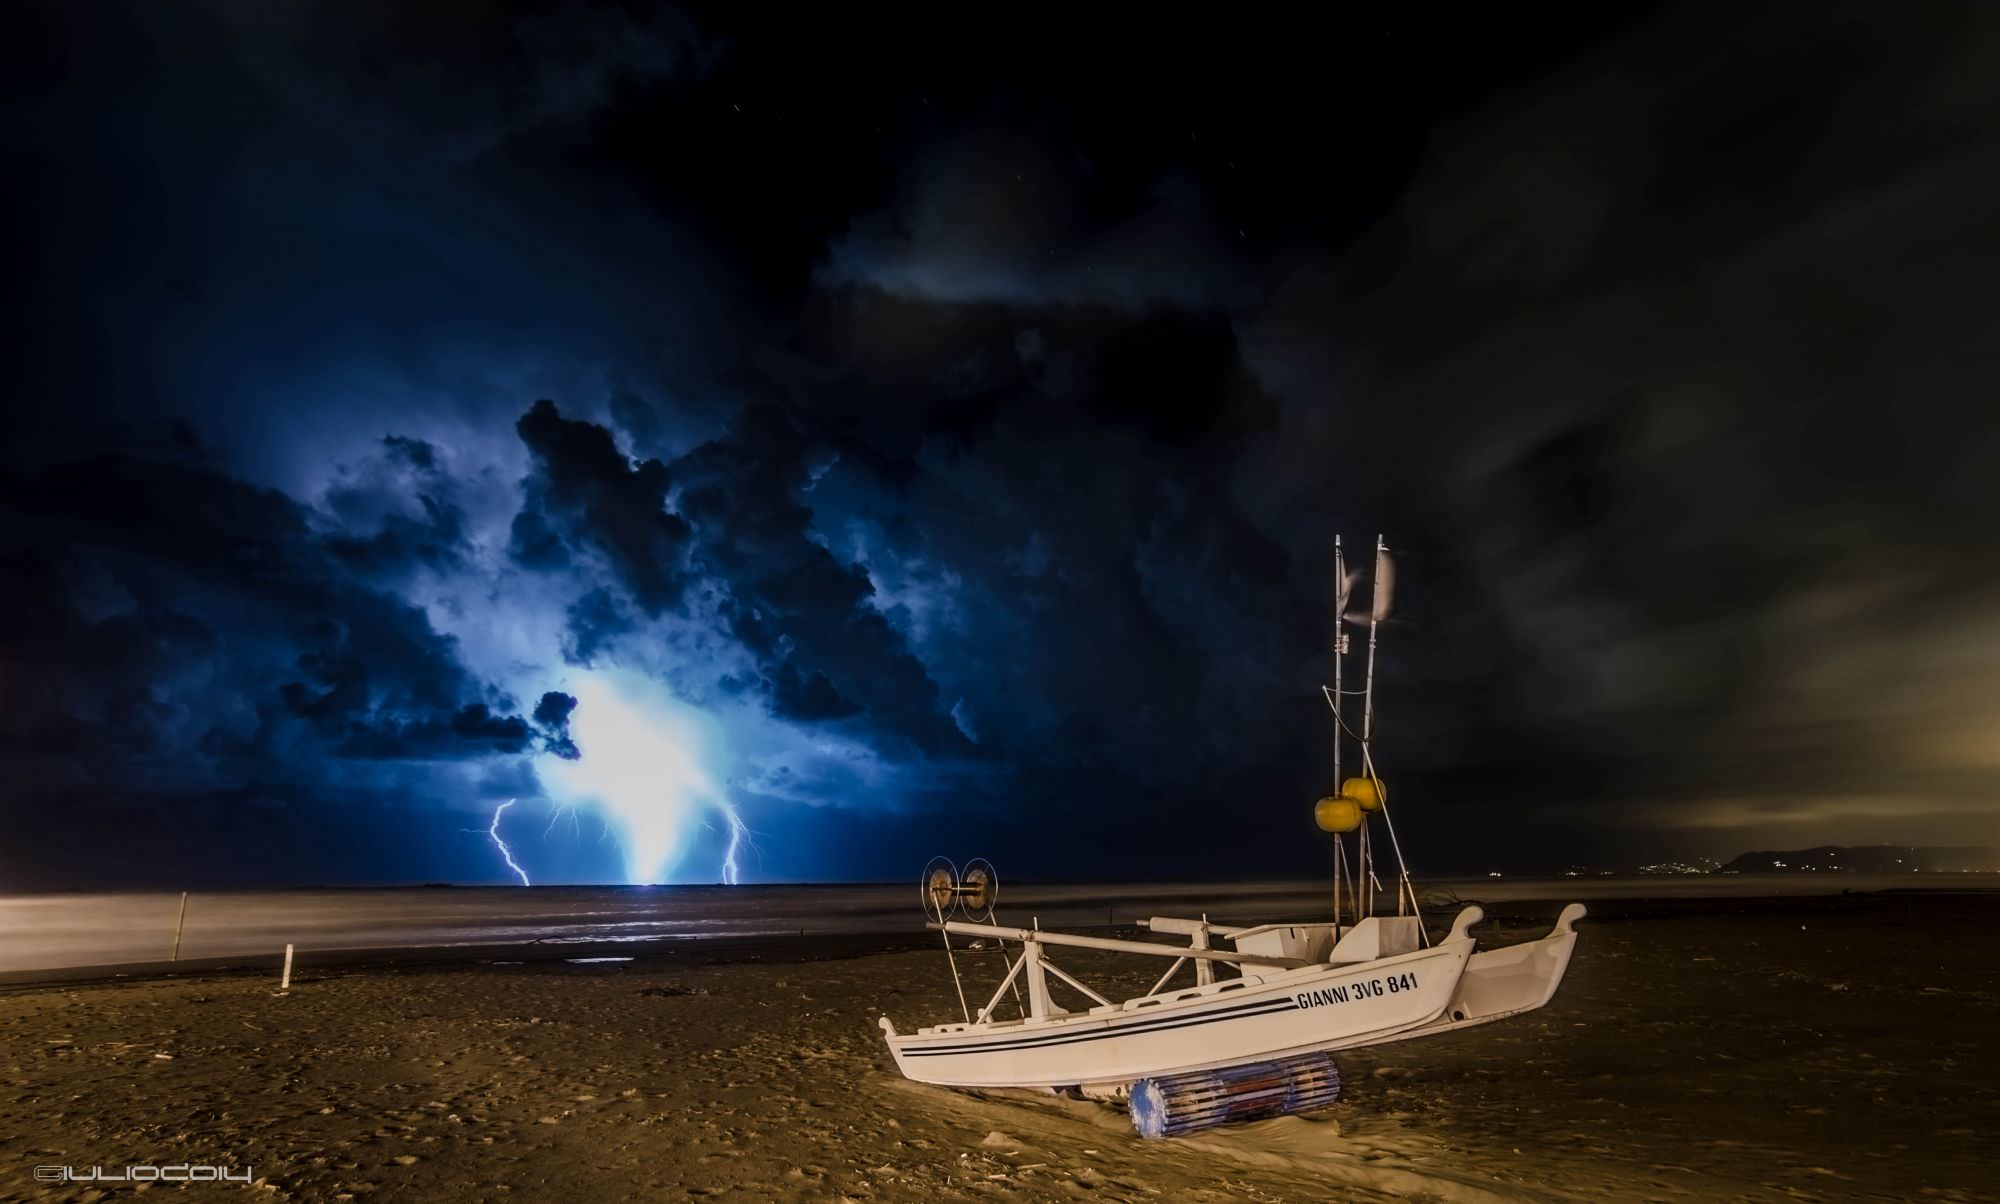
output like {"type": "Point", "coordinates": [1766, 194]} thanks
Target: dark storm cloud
{"type": "Point", "coordinates": [295, 642]}
{"type": "Point", "coordinates": [83, 657]}
{"type": "Point", "coordinates": [730, 514]}
{"type": "Point", "coordinates": [807, 615]}
{"type": "Point", "coordinates": [983, 416]}
{"type": "Point", "coordinates": [552, 717]}
{"type": "Point", "coordinates": [639, 419]}
{"type": "Point", "coordinates": [411, 242]}
{"type": "Point", "coordinates": [415, 452]}
{"type": "Point", "coordinates": [401, 543]}
{"type": "Point", "coordinates": [261, 248]}
{"type": "Point", "coordinates": [431, 83]}
{"type": "Point", "coordinates": [998, 213]}
{"type": "Point", "coordinates": [617, 505]}
{"type": "Point", "coordinates": [1700, 316]}
{"type": "Point", "coordinates": [534, 544]}
{"type": "Point", "coordinates": [1049, 522]}
{"type": "Point", "coordinates": [595, 621]}
{"type": "Point", "coordinates": [470, 731]}
{"type": "Point", "coordinates": [807, 697]}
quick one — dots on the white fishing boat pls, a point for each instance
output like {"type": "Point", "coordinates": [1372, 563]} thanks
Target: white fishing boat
{"type": "Point", "coordinates": [1288, 989]}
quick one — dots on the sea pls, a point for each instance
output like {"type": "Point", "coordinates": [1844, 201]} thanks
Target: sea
{"type": "Point", "coordinates": [70, 931]}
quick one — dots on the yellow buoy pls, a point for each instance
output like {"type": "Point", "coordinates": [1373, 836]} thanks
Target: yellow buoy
{"type": "Point", "coordinates": [1367, 793]}
{"type": "Point", "coordinates": [1337, 814]}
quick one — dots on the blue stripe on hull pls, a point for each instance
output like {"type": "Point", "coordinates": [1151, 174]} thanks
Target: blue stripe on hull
{"type": "Point", "coordinates": [1239, 1011]}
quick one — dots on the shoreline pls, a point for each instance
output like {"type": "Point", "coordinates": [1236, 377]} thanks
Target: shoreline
{"type": "Point", "coordinates": [805, 945]}
{"type": "Point", "coordinates": [84, 937]}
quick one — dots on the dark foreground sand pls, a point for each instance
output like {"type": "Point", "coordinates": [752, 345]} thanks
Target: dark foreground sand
{"type": "Point", "coordinates": [1827, 1048]}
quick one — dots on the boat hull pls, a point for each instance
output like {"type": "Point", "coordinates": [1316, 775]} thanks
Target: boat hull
{"type": "Point", "coordinates": [1504, 982]}
{"type": "Point", "coordinates": [1266, 1016]}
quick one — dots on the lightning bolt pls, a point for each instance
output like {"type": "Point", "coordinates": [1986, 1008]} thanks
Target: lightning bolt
{"type": "Point", "coordinates": [738, 834]}
{"type": "Point", "coordinates": [559, 812]}
{"type": "Point", "coordinates": [493, 830]}
{"type": "Point", "coordinates": [642, 764]}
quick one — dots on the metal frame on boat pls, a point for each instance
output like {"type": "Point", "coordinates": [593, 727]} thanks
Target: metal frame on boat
{"type": "Point", "coordinates": [1297, 988]}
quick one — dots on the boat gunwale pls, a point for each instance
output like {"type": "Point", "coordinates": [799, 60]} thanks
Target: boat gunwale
{"type": "Point", "coordinates": [1180, 1005]}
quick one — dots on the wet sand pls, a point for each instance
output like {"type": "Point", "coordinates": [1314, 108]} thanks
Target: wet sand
{"type": "Point", "coordinates": [1828, 1048]}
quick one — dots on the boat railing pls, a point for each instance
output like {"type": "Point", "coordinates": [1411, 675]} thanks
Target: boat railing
{"type": "Point", "coordinates": [1034, 966]}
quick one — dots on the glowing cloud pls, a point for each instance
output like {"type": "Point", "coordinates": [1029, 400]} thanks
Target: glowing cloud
{"type": "Point", "coordinates": [643, 768]}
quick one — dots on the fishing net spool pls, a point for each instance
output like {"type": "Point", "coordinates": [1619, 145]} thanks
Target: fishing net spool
{"type": "Point", "coordinates": [1171, 1105]}
{"type": "Point", "coordinates": [938, 887]}
{"type": "Point", "coordinates": [972, 893]}
{"type": "Point", "coordinates": [978, 890]}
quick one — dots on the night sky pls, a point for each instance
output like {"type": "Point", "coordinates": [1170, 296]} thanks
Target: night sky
{"type": "Point", "coordinates": [925, 432]}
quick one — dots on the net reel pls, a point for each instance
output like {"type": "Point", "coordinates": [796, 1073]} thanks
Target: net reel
{"type": "Point", "coordinates": [978, 890]}
{"type": "Point", "coordinates": [943, 890]}
{"type": "Point", "coordinates": [938, 888]}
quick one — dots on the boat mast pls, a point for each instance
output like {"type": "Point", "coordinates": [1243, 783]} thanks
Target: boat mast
{"type": "Point", "coordinates": [1339, 655]}
{"type": "Point", "coordinates": [1369, 796]}
{"type": "Point", "coordinates": [1406, 891]}
{"type": "Point", "coordinates": [1377, 611]}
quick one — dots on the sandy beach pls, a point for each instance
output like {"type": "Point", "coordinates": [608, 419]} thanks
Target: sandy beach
{"type": "Point", "coordinates": [1826, 1048]}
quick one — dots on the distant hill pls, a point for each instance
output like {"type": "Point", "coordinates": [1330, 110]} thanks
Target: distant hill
{"type": "Point", "coordinates": [1866, 859]}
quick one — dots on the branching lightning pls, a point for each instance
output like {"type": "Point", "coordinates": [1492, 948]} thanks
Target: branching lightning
{"type": "Point", "coordinates": [738, 835]}
{"type": "Point", "coordinates": [493, 830]}
{"type": "Point", "coordinates": [561, 811]}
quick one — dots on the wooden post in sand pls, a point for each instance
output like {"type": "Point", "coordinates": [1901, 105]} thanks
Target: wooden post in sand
{"type": "Point", "coordinates": [285, 982]}
{"type": "Point", "coordinates": [178, 925]}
